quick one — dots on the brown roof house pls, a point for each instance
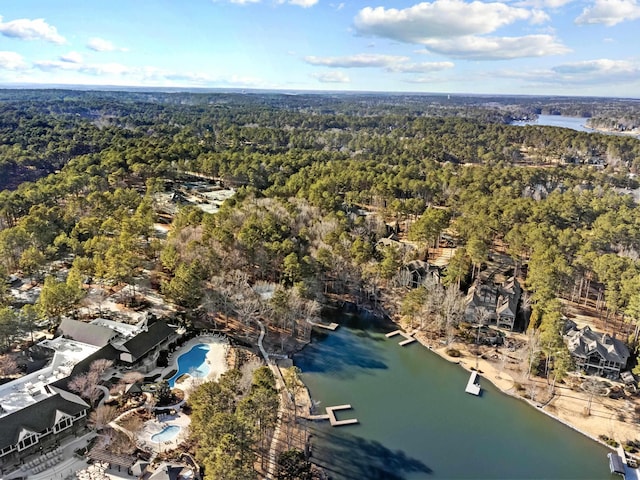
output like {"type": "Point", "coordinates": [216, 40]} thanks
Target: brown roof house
{"type": "Point", "coordinates": [490, 303]}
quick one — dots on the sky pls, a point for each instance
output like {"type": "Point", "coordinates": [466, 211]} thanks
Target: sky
{"type": "Point", "coordinates": [541, 47]}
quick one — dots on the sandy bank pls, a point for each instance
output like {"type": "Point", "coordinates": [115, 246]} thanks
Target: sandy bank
{"type": "Point", "coordinates": [616, 419]}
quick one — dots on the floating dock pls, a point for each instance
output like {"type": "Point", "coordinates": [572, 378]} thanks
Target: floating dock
{"type": "Point", "coordinates": [334, 421]}
{"type": "Point", "coordinates": [408, 337]}
{"type": "Point", "coordinates": [331, 416]}
{"type": "Point", "coordinates": [330, 326]}
{"type": "Point", "coordinates": [473, 387]}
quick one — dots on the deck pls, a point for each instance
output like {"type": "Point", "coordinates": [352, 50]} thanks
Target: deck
{"type": "Point", "coordinates": [331, 416]}
{"type": "Point", "coordinates": [330, 326]}
{"type": "Point", "coordinates": [408, 337]}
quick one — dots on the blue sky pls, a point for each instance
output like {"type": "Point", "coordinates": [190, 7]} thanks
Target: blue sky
{"type": "Point", "coordinates": [555, 47]}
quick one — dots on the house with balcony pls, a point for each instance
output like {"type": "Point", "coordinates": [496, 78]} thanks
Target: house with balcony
{"type": "Point", "coordinates": [596, 353]}
{"type": "Point", "coordinates": [489, 303]}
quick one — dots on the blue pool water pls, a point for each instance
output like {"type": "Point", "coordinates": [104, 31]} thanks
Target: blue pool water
{"type": "Point", "coordinates": [193, 362]}
{"type": "Point", "coordinates": [166, 434]}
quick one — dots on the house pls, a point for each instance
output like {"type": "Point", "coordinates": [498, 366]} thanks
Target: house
{"type": "Point", "coordinates": [171, 471]}
{"type": "Point", "coordinates": [40, 424]}
{"type": "Point", "coordinates": [596, 353]}
{"type": "Point", "coordinates": [90, 333]}
{"type": "Point", "coordinates": [146, 344]}
{"type": "Point", "coordinates": [37, 410]}
{"type": "Point", "coordinates": [418, 272]}
{"type": "Point", "coordinates": [490, 303]}
{"type": "Point", "coordinates": [34, 410]}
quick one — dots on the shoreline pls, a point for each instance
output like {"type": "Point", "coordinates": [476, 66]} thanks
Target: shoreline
{"type": "Point", "coordinates": [488, 372]}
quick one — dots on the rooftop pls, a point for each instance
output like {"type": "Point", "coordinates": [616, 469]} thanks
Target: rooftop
{"type": "Point", "coordinates": [30, 389]}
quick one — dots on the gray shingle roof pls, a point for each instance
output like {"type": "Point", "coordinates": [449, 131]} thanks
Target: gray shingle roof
{"type": "Point", "coordinates": [586, 342]}
{"type": "Point", "coordinates": [146, 341]}
{"type": "Point", "coordinates": [39, 416]}
{"type": "Point", "coordinates": [86, 332]}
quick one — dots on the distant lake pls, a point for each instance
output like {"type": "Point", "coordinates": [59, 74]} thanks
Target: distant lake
{"type": "Point", "coordinates": [574, 123]}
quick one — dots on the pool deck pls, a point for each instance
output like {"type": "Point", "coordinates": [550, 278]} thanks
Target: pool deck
{"type": "Point", "coordinates": [216, 358]}
{"type": "Point", "coordinates": [152, 427]}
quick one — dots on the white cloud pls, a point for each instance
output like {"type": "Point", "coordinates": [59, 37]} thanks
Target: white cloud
{"type": "Point", "coordinates": [97, 69]}
{"type": "Point", "coordinates": [600, 67]}
{"type": "Point", "coordinates": [12, 61]}
{"type": "Point", "coordinates": [299, 3]}
{"type": "Point", "coordinates": [101, 45]}
{"type": "Point", "coordinates": [439, 19]}
{"type": "Point", "coordinates": [496, 48]}
{"type": "Point", "coordinates": [543, 3]}
{"type": "Point", "coordinates": [423, 67]}
{"type": "Point", "coordinates": [303, 3]}
{"type": "Point", "coordinates": [602, 72]}
{"type": "Point", "coordinates": [27, 29]}
{"type": "Point", "coordinates": [332, 77]}
{"type": "Point", "coordinates": [71, 57]}
{"type": "Point", "coordinates": [609, 12]}
{"type": "Point", "coordinates": [363, 60]}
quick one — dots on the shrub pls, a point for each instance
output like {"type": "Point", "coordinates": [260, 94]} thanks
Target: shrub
{"type": "Point", "coordinates": [452, 352]}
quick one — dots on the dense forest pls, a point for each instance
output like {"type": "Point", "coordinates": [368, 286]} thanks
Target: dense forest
{"type": "Point", "coordinates": [319, 180]}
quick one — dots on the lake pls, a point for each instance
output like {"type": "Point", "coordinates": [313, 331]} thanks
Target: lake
{"type": "Point", "coordinates": [574, 123]}
{"type": "Point", "coordinates": [416, 421]}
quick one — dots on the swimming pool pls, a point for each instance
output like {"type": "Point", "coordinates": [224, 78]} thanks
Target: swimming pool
{"type": "Point", "coordinates": [194, 363]}
{"type": "Point", "coordinates": [167, 434]}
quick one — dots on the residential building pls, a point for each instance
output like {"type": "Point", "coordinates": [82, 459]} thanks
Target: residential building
{"type": "Point", "coordinates": [490, 303]}
{"type": "Point", "coordinates": [596, 353]}
{"type": "Point", "coordinates": [37, 410]}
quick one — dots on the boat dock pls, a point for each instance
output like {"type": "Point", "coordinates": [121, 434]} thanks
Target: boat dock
{"type": "Point", "coordinates": [331, 416]}
{"type": "Point", "coordinates": [408, 337]}
{"type": "Point", "coordinates": [330, 326]}
{"type": "Point", "coordinates": [473, 387]}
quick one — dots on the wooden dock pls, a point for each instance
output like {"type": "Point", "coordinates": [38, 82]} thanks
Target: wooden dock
{"type": "Point", "coordinates": [331, 416]}
{"type": "Point", "coordinates": [473, 387]}
{"type": "Point", "coordinates": [338, 423]}
{"type": "Point", "coordinates": [330, 326]}
{"type": "Point", "coordinates": [408, 337]}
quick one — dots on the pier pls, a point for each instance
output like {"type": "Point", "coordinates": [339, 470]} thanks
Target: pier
{"type": "Point", "coordinates": [408, 337]}
{"type": "Point", "coordinates": [473, 387]}
{"type": "Point", "coordinates": [331, 416]}
{"type": "Point", "coordinates": [331, 326]}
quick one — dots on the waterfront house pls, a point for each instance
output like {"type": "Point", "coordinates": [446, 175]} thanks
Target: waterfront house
{"type": "Point", "coordinates": [596, 353]}
{"type": "Point", "coordinates": [489, 303]}
{"type": "Point", "coordinates": [417, 273]}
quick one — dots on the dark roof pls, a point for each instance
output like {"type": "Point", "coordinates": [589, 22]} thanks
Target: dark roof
{"type": "Point", "coordinates": [39, 416]}
{"type": "Point", "coordinates": [146, 341]}
{"type": "Point", "coordinates": [166, 471]}
{"type": "Point", "coordinates": [86, 332]}
{"type": "Point", "coordinates": [615, 464]}
{"type": "Point", "coordinates": [107, 352]}
{"type": "Point", "coordinates": [586, 342]}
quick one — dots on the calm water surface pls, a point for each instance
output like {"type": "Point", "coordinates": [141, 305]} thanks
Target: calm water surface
{"type": "Point", "coordinates": [574, 123]}
{"type": "Point", "coordinates": [416, 422]}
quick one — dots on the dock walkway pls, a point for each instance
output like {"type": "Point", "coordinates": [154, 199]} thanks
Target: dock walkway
{"type": "Point", "coordinates": [408, 337]}
{"type": "Point", "coordinates": [331, 416]}
{"type": "Point", "coordinates": [331, 326]}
